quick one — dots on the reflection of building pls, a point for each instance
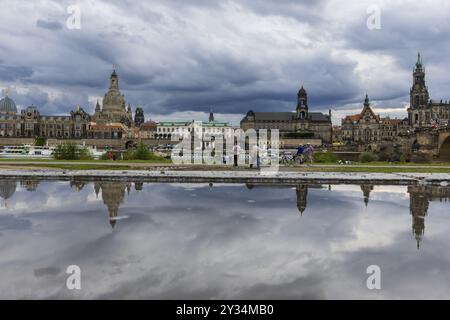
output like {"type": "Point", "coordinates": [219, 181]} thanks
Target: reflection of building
{"type": "Point", "coordinates": [29, 185]}
{"type": "Point", "coordinates": [420, 197]}
{"type": "Point", "coordinates": [7, 189]}
{"type": "Point", "coordinates": [113, 194]}
{"type": "Point", "coordinates": [77, 184]}
{"type": "Point", "coordinates": [302, 194]}
{"type": "Point", "coordinates": [366, 189]}
{"type": "Point", "coordinates": [138, 186]}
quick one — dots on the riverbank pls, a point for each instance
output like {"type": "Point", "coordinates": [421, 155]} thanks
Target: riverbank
{"type": "Point", "coordinates": [242, 176]}
{"type": "Point", "coordinates": [378, 167]}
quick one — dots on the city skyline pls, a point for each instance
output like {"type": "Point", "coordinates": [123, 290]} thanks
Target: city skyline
{"type": "Point", "coordinates": [178, 62]}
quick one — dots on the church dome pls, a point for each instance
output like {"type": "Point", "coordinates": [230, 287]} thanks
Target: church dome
{"type": "Point", "coordinates": [7, 105]}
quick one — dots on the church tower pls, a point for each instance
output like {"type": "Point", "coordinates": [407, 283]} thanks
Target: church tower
{"type": "Point", "coordinates": [302, 104]}
{"type": "Point", "coordinates": [139, 117]}
{"type": "Point", "coordinates": [418, 96]}
{"type": "Point", "coordinates": [114, 108]}
{"type": "Point", "coordinates": [302, 197]}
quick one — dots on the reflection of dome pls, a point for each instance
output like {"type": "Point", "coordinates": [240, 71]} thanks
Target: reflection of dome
{"type": "Point", "coordinates": [366, 189]}
{"type": "Point", "coordinates": [7, 189]}
{"type": "Point", "coordinates": [112, 195]}
{"type": "Point", "coordinates": [8, 106]}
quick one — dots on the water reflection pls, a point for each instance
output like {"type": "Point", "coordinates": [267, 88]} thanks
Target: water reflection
{"type": "Point", "coordinates": [249, 241]}
{"type": "Point", "coordinates": [113, 194]}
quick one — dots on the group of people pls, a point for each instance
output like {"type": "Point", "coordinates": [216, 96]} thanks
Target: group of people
{"type": "Point", "coordinates": [304, 154]}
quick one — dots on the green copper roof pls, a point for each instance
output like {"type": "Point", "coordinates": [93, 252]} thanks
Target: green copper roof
{"type": "Point", "coordinates": [419, 61]}
{"type": "Point", "coordinates": [7, 105]}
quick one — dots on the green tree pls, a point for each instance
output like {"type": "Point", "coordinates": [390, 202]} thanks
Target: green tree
{"type": "Point", "coordinates": [367, 157]}
{"type": "Point", "coordinates": [40, 141]}
{"type": "Point", "coordinates": [70, 151]}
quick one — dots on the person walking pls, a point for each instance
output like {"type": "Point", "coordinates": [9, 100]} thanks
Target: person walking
{"type": "Point", "coordinates": [309, 153]}
{"type": "Point", "coordinates": [299, 154]}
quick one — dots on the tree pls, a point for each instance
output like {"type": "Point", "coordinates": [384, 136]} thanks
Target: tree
{"type": "Point", "coordinates": [40, 141]}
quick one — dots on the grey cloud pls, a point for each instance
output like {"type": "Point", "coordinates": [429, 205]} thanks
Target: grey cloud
{"type": "Point", "coordinates": [192, 55]}
{"type": "Point", "coordinates": [50, 25]}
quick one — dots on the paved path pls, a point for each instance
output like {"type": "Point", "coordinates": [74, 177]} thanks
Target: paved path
{"type": "Point", "coordinates": [197, 166]}
{"type": "Point", "coordinates": [242, 176]}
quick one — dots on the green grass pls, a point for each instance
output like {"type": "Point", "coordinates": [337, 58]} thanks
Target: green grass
{"type": "Point", "coordinates": [391, 169]}
{"type": "Point", "coordinates": [90, 161]}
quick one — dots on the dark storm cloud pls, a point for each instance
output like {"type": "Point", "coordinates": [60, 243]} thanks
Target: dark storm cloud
{"type": "Point", "coordinates": [230, 55]}
{"type": "Point", "coordinates": [12, 73]}
{"type": "Point", "coordinates": [51, 25]}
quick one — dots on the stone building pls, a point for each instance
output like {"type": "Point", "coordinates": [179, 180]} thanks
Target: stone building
{"type": "Point", "coordinates": [109, 121]}
{"type": "Point", "coordinates": [302, 122]}
{"type": "Point", "coordinates": [139, 118]}
{"type": "Point", "coordinates": [165, 129]}
{"type": "Point", "coordinates": [368, 127]}
{"type": "Point", "coordinates": [424, 112]}
{"type": "Point", "coordinates": [147, 130]}
{"type": "Point", "coordinates": [114, 107]}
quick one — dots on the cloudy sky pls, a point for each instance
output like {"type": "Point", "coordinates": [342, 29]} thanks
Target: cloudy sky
{"type": "Point", "coordinates": [179, 59]}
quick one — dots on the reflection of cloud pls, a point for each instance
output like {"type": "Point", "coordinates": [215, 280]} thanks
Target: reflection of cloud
{"type": "Point", "coordinates": [224, 247]}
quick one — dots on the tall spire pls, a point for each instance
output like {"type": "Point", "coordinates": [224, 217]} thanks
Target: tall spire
{"type": "Point", "coordinates": [114, 81]}
{"type": "Point", "coordinates": [419, 61]}
{"type": "Point", "coordinates": [366, 101]}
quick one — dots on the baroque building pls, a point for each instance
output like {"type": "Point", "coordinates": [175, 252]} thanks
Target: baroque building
{"type": "Point", "coordinates": [302, 121]}
{"type": "Point", "coordinates": [368, 127]}
{"type": "Point", "coordinates": [112, 120]}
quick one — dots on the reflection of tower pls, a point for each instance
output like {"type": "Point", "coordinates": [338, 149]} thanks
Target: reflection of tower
{"type": "Point", "coordinates": [418, 206]}
{"type": "Point", "coordinates": [113, 194]}
{"type": "Point", "coordinates": [302, 194]}
{"type": "Point", "coordinates": [7, 189]}
{"type": "Point", "coordinates": [366, 189]}
{"type": "Point", "coordinates": [77, 184]}
{"type": "Point", "coordinates": [29, 185]}
{"type": "Point", "coordinates": [138, 186]}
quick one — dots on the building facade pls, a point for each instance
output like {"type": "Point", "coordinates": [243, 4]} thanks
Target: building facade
{"type": "Point", "coordinates": [423, 111]}
{"type": "Point", "coordinates": [301, 122]}
{"type": "Point", "coordinates": [368, 127]}
{"type": "Point", "coordinates": [165, 129]}
{"type": "Point", "coordinates": [109, 121]}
